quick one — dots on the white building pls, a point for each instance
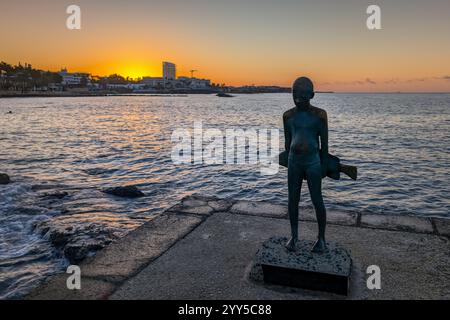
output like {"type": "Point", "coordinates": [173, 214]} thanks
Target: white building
{"type": "Point", "coordinates": [74, 78]}
{"type": "Point", "coordinates": [131, 86]}
{"type": "Point", "coordinates": [169, 80]}
{"type": "Point", "coordinates": [194, 83]}
{"type": "Point", "coordinates": [153, 82]}
{"type": "Point", "coordinates": [169, 71]}
{"type": "Point", "coordinates": [200, 83]}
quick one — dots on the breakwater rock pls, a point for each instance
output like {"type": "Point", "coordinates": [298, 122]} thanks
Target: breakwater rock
{"type": "Point", "coordinates": [125, 192]}
{"type": "Point", "coordinates": [78, 236]}
{"type": "Point", "coordinates": [4, 178]}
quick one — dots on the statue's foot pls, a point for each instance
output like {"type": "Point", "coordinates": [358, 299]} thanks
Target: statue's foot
{"type": "Point", "coordinates": [291, 245]}
{"type": "Point", "coordinates": [320, 246]}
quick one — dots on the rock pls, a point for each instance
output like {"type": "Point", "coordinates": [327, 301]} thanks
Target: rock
{"type": "Point", "coordinates": [201, 205]}
{"type": "Point", "coordinates": [194, 205]}
{"type": "Point", "coordinates": [328, 272]}
{"type": "Point", "coordinates": [224, 95]}
{"type": "Point", "coordinates": [4, 178]}
{"type": "Point", "coordinates": [77, 252]}
{"type": "Point", "coordinates": [43, 187]}
{"type": "Point", "coordinates": [220, 205]}
{"type": "Point", "coordinates": [56, 195]}
{"type": "Point", "coordinates": [125, 192]}
{"type": "Point", "coordinates": [99, 171]}
{"type": "Point", "coordinates": [80, 235]}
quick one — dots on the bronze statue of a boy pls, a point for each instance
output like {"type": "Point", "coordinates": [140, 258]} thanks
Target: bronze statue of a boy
{"type": "Point", "coordinates": [308, 159]}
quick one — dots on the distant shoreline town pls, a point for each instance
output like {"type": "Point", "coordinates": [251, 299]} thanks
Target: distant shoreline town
{"type": "Point", "coordinates": [25, 81]}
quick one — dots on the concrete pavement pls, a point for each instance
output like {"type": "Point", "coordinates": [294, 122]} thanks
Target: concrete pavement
{"type": "Point", "coordinates": [203, 248]}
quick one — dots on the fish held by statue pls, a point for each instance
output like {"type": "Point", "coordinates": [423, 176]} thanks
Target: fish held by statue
{"type": "Point", "coordinates": [334, 170]}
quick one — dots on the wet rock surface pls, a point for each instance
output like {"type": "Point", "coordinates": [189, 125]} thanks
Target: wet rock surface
{"type": "Point", "coordinates": [99, 171]}
{"type": "Point", "coordinates": [125, 192]}
{"type": "Point", "coordinates": [4, 179]}
{"type": "Point", "coordinates": [201, 205]}
{"type": "Point", "coordinates": [79, 240]}
{"type": "Point", "coordinates": [55, 195]}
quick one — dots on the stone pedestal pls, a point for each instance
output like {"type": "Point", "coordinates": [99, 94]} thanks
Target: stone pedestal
{"type": "Point", "coordinates": [329, 272]}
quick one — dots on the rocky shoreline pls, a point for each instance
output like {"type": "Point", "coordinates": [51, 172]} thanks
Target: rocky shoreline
{"type": "Point", "coordinates": [119, 271]}
{"type": "Point", "coordinates": [112, 248]}
{"type": "Point", "coordinates": [78, 241]}
{"type": "Point", "coordinates": [77, 235]}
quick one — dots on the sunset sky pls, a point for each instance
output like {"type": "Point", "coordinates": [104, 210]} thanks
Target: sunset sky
{"type": "Point", "coordinates": [239, 42]}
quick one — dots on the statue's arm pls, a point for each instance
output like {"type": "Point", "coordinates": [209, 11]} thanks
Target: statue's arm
{"type": "Point", "coordinates": [324, 142]}
{"type": "Point", "coordinates": [287, 133]}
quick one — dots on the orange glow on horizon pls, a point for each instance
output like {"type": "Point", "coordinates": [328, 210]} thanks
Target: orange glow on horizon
{"type": "Point", "coordinates": [238, 43]}
{"type": "Point", "coordinates": [135, 71]}
{"type": "Point", "coordinates": [132, 69]}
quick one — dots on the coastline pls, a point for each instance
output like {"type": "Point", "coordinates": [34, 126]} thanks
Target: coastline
{"type": "Point", "coordinates": [180, 93]}
{"type": "Point", "coordinates": [196, 248]}
{"type": "Point", "coordinates": [80, 94]}
{"type": "Point", "coordinates": [50, 95]}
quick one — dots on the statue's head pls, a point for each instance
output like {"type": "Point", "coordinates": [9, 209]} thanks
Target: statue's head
{"type": "Point", "coordinates": [303, 90]}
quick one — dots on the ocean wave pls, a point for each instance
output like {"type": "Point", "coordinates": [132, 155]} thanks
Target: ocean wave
{"type": "Point", "coordinates": [68, 153]}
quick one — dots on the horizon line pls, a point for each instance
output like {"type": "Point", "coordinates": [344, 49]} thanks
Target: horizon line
{"type": "Point", "coordinates": [237, 86]}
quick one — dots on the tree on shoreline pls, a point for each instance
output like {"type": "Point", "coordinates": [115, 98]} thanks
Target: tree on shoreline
{"type": "Point", "coordinates": [25, 78]}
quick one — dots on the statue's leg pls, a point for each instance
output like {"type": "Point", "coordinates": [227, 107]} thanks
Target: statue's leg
{"type": "Point", "coordinates": [294, 186]}
{"type": "Point", "coordinates": [314, 178]}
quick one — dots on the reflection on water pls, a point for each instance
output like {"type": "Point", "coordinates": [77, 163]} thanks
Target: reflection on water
{"type": "Point", "coordinates": [400, 143]}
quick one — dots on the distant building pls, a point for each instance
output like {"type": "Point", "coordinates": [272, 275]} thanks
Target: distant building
{"type": "Point", "coordinates": [129, 86]}
{"type": "Point", "coordinates": [55, 87]}
{"type": "Point", "coordinates": [74, 79]}
{"type": "Point", "coordinates": [153, 82]}
{"type": "Point", "coordinates": [169, 81]}
{"type": "Point", "coordinates": [200, 83]}
{"type": "Point", "coordinates": [194, 83]}
{"type": "Point", "coordinates": [169, 71]}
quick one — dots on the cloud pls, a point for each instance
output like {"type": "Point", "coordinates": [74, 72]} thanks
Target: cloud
{"type": "Point", "coordinates": [423, 79]}
{"type": "Point", "coordinates": [392, 81]}
{"type": "Point", "coordinates": [356, 82]}
{"type": "Point", "coordinates": [418, 80]}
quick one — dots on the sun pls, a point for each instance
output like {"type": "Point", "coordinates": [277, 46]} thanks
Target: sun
{"type": "Point", "coordinates": [136, 71]}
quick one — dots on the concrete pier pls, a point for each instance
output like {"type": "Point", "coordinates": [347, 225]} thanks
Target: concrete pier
{"type": "Point", "coordinates": [203, 248]}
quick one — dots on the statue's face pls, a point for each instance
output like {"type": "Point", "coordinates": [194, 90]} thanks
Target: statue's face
{"type": "Point", "coordinates": [303, 89]}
